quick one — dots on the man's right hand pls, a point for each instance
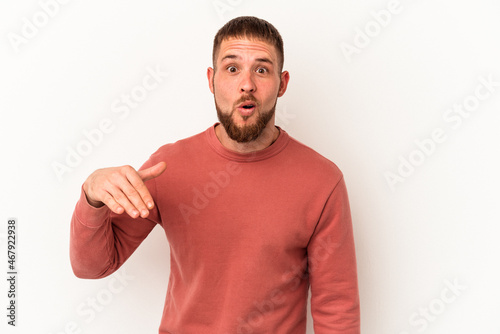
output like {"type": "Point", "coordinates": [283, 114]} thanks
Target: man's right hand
{"type": "Point", "coordinates": [122, 189]}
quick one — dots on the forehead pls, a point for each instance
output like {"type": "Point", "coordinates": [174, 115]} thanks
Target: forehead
{"type": "Point", "coordinates": [247, 48]}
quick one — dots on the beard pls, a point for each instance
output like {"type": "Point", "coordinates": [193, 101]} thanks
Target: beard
{"type": "Point", "coordinates": [245, 133]}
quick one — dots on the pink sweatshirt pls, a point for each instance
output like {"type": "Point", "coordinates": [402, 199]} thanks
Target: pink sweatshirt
{"type": "Point", "coordinates": [248, 234]}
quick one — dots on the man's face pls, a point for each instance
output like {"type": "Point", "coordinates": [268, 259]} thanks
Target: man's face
{"type": "Point", "coordinates": [246, 84]}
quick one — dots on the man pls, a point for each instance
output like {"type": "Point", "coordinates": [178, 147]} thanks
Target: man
{"type": "Point", "coordinates": [252, 216]}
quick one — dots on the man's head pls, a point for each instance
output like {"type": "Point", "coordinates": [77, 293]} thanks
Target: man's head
{"type": "Point", "coordinates": [247, 78]}
{"type": "Point", "coordinates": [251, 28]}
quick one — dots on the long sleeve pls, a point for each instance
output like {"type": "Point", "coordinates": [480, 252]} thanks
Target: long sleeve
{"type": "Point", "coordinates": [243, 233]}
{"type": "Point", "coordinates": [332, 268]}
{"type": "Point", "coordinates": [101, 241]}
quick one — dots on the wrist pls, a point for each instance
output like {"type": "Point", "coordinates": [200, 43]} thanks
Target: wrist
{"type": "Point", "coordinates": [90, 201]}
{"type": "Point", "coordinates": [95, 204]}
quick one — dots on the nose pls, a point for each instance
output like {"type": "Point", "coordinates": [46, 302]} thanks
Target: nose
{"type": "Point", "coordinates": [247, 84]}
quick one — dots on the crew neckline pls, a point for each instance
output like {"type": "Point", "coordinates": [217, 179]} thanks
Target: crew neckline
{"type": "Point", "coordinates": [266, 153]}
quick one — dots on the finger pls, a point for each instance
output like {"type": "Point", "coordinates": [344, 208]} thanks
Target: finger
{"type": "Point", "coordinates": [122, 199]}
{"type": "Point", "coordinates": [118, 186]}
{"type": "Point", "coordinates": [110, 202]}
{"type": "Point", "coordinates": [152, 172]}
{"type": "Point", "coordinates": [140, 188]}
{"type": "Point", "coordinates": [127, 188]}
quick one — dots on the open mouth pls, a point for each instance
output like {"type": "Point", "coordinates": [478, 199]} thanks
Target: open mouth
{"type": "Point", "coordinates": [247, 108]}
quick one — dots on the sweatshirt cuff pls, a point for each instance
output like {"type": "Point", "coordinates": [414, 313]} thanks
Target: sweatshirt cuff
{"type": "Point", "coordinates": [88, 215]}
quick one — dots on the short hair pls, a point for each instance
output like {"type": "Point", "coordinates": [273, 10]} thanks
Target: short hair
{"type": "Point", "coordinates": [250, 27]}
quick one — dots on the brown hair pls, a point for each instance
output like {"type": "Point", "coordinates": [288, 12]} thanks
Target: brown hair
{"type": "Point", "coordinates": [250, 27]}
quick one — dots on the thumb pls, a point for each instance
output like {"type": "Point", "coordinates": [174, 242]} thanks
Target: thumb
{"type": "Point", "coordinates": [153, 171]}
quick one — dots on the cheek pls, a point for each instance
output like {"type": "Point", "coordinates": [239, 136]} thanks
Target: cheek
{"type": "Point", "coordinates": [271, 93]}
{"type": "Point", "coordinates": [222, 88]}
{"type": "Point", "coordinates": [221, 95]}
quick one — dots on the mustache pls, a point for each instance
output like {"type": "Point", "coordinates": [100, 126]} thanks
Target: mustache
{"type": "Point", "coordinates": [246, 97]}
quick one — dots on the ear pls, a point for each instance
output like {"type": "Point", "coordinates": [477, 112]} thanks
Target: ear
{"type": "Point", "coordinates": [285, 77]}
{"type": "Point", "coordinates": [210, 77]}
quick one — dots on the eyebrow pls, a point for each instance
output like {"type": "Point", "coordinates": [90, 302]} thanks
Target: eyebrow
{"type": "Point", "coordinates": [260, 60]}
{"type": "Point", "coordinates": [264, 60]}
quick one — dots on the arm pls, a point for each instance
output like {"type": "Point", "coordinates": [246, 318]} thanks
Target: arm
{"type": "Point", "coordinates": [332, 268]}
{"type": "Point", "coordinates": [111, 218]}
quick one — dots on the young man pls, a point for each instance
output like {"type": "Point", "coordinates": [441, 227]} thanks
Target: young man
{"type": "Point", "coordinates": [252, 216]}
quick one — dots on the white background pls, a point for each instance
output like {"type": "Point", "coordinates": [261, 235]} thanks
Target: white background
{"type": "Point", "coordinates": [364, 111]}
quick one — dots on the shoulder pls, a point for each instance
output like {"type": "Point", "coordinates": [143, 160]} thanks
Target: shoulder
{"type": "Point", "coordinates": [312, 162]}
{"type": "Point", "coordinates": [186, 147]}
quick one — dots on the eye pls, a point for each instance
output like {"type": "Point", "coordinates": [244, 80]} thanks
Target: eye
{"type": "Point", "coordinates": [262, 70]}
{"type": "Point", "coordinates": [232, 69]}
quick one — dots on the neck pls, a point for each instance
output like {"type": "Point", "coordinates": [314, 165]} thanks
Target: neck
{"type": "Point", "coordinates": [266, 138]}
